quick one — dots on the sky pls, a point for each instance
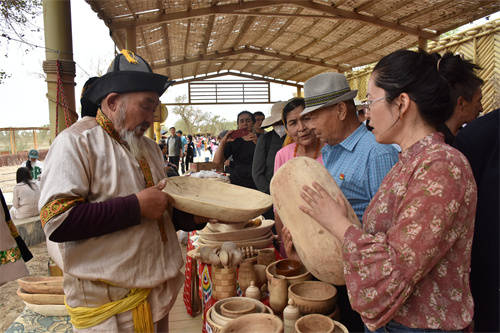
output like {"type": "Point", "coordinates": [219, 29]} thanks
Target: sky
{"type": "Point", "coordinates": [23, 95]}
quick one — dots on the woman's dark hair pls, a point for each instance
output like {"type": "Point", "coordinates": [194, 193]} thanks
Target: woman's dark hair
{"type": "Point", "coordinates": [290, 105]}
{"type": "Point", "coordinates": [245, 112]}
{"type": "Point", "coordinates": [23, 175]}
{"type": "Point", "coordinates": [416, 74]}
{"type": "Point", "coordinates": [460, 76]}
{"type": "Point", "coordinates": [190, 137]}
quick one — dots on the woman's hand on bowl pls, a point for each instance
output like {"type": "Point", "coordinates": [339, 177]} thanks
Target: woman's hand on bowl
{"type": "Point", "coordinates": [328, 212]}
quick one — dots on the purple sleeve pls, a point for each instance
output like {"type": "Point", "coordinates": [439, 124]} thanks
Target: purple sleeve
{"type": "Point", "coordinates": [98, 218]}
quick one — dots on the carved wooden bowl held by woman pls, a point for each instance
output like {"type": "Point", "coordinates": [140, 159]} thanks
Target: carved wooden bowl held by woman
{"type": "Point", "coordinates": [323, 257]}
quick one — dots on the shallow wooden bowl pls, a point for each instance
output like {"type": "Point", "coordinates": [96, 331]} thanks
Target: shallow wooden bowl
{"type": "Point", "coordinates": [40, 298]}
{"type": "Point", "coordinates": [289, 267]}
{"type": "Point", "coordinates": [217, 200]}
{"type": "Point", "coordinates": [220, 319]}
{"type": "Point", "coordinates": [323, 257]}
{"type": "Point", "coordinates": [237, 308]}
{"type": "Point", "coordinates": [237, 235]}
{"type": "Point", "coordinates": [42, 284]}
{"type": "Point", "coordinates": [254, 323]}
{"type": "Point", "coordinates": [48, 309]}
{"type": "Point", "coordinates": [314, 323]}
{"type": "Point", "coordinates": [313, 297]}
{"type": "Point", "coordinates": [302, 274]}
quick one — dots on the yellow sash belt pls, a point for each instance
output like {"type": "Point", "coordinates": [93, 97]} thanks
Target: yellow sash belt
{"type": "Point", "coordinates": [136, 300]}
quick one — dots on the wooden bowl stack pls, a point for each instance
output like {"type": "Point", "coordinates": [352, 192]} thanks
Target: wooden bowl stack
{"type": "Point", "coordinates": [224, 282]}
{"type": "Point", "coordinates": [43, 294]}
{"type": "Point", "coordinates": [218, 315]}
{"type": "Point", "coordinates": [254, 323]}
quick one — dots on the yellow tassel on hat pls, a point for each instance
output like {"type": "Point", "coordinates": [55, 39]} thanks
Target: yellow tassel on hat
{"type": "Point", "coordinates": [129, 55]}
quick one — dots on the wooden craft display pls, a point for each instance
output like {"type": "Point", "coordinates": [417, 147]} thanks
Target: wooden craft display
{"type": "Point", "coordinates": [319, 250]}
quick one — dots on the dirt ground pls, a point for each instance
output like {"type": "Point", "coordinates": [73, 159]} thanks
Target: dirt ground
{"type": "Point", "coordinates": [10, 303]}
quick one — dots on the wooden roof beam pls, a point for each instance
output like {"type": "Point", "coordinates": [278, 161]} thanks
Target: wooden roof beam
{"type": "Point", "coordinates": [208, 33]}
{"type": "Point", "coordinates": [358, 44]}
{"type": "Point", "coordinates": [424, 11]}
{"type": "Point", "coordinates": [167, 45]}
{"type": "Point", "coordinates": [362, 18]}
{"type": "Point", "coordinates": [148, 50]}
{"type": "Point", "coordinates": [363, 53]}
{"type": "Point", "coordinates": [229, 9]}
{"type": "Point", "coordinates": [274, 68]}
{"type": "Point", "coordinates": [248, 50]}
{"type": "Point", "coordinates": [243, 30]}
{"type": "Point", "coordinates": [247, 76]}
{"type": "Point", "coordinates": [299, 73]}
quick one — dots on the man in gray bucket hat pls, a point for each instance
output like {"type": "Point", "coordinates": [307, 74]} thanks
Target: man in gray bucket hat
{"type": "Point", "coordinates": [352, 156]}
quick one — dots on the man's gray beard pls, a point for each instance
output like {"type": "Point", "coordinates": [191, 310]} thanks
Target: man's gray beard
{"type": "Point", "coordinates": [135, 142]}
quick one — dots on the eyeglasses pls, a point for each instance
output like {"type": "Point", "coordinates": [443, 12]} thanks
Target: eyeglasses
{"type": "Point", "coordinates": [367, 104]}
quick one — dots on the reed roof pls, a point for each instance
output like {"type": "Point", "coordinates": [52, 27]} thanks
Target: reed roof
{"type": "Point", "coordinates": [290, 40]}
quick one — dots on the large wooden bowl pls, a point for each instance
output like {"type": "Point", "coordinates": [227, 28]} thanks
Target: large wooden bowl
{"type": "Point", "coordinates": [217, 200]}
{"type": "Point", "coordinates": [40, 298]}
{"type": "Point", "coordinates": [301, 275]}
{"type": "Point", "coordinates": [42, 284]}
{"type": "Point", "coordinates": [319, 250]}
{"type": "Point", "coordinates": [314, 323]}
{"type": "Point", "coordinates": [254, 323]}
{"type": "Point", "coordinates": [313, 297]}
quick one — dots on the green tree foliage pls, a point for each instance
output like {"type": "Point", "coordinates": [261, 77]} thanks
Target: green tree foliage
{"type": "Point", "coordinates": [15, 17]}
{"type": "Point", "coordinates": [195, 121]}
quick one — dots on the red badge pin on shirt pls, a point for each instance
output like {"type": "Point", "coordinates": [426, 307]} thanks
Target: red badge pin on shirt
{"type": "Point", "coordinates": [341, 176]}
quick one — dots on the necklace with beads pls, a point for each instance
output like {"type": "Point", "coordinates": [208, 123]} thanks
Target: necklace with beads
{"type": "Point", "coordinates": [316, 153]}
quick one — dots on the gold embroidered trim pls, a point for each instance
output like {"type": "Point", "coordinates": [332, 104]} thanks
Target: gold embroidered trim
{"type": "Point", "coordinates": [56, 207]}
{"type": "Point", "coordinates": [13, 229]}
{"type": "Point", "coordinates": [107, 125]}
{"type": "Point", "coordinates": [10, 255]}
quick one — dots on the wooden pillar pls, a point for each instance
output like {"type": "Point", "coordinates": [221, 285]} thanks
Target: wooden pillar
{"type": "Point", "coordinates": [422, 43]}
{"type": "Point", "coordinates": [35, 141]}
{"type": "Point", "coordinates": [12, 141]}
{"type": "Point", "coordinates": [59, 48]}
{"type": "Point", "coordinates": [131, 39]}
{"type": "Point", "coordinates": [299, 91]}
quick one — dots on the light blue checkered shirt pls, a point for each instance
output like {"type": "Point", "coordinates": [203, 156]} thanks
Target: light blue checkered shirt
{"type": "Point", "coordinates": [359, 164]}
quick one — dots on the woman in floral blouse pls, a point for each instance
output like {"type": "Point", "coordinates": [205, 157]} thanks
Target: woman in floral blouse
{"type": "Point", "coordinates": [408, 268]}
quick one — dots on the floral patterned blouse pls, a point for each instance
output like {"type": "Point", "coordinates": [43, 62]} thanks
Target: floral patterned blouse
{"type": "Point", "coordinates": [411, 261]}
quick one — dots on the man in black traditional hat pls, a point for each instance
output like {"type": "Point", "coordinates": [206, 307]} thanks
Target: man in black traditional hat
{"type": "Point", "coordinates": [102, 204]}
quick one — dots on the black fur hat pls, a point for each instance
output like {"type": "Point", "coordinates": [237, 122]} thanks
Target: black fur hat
{"type": "Point", "coordinates": [127, 73]}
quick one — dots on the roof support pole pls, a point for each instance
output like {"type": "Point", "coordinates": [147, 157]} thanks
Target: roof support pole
{"type": "Point", "coordinates": [131, 41]}
{"type": "Point", "coordinates": [422, 43]}
{"type": "Point", "coordinates": [59, 48]}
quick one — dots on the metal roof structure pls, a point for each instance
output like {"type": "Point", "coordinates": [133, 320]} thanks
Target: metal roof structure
{"type": "Point", "coordinates": [286, 41]}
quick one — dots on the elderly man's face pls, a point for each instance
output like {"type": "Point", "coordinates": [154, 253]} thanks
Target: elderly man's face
{"type": "Point", "coordinates": [326, 125]}
{"type": "Point", "coordinates": [139, 108]}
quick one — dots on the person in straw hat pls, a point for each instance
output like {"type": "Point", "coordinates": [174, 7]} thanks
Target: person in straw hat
{"type": "Point", "coordinates": [267, 146]}
{"type": "Point", "coordinates": [352, 156]}
{"type": "Point", "coordinates": [102, 204]}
